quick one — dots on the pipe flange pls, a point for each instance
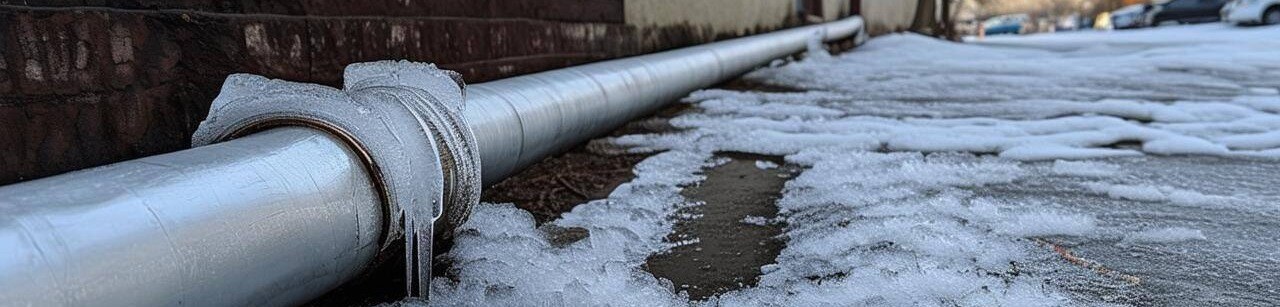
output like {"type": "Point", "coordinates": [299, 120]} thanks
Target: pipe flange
{"type": "Point", "coordinates": [439, 107]}
{"type": "Point", "coordinates": [403, 119]}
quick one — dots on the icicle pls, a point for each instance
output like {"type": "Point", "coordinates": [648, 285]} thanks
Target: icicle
{"type": "Point", "coordinates": [417, 252]}
{"type": "Point", "coordinates": [409, 256]}
{"type": "Point", "coordinates": [816, 48]}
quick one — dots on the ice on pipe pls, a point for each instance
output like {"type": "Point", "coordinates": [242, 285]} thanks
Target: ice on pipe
{"type": "Point", "coordinates": [816, 49]}
{"type": "Point", "coordinates": [402, 115]}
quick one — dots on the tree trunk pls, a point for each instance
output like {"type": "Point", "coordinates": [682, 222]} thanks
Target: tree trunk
{"type": "Point", "coordinates": [926, 19]}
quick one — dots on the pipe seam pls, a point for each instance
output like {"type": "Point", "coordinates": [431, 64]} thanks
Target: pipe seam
{"type": "Point", "coordinates": [404, 117]}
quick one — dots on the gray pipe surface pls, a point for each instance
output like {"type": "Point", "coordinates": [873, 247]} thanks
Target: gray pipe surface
{"type": "Point", "coordinates": [521, 120]}
{"type": "Point", "coordinates": [284, 215]}
{"type": "Point", "coordinates": [275, 218]}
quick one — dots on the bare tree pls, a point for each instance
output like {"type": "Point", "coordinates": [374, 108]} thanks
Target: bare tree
{"type": "Point", "coordinates": [1046, 7]}
{"type": "Point", "coordinates": [926, 20]}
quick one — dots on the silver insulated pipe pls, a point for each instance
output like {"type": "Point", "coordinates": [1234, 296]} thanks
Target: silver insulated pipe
{"type": "Point", "coordinates": [283, 215]}
{"type": "Point", "coordinates": [521, 120]}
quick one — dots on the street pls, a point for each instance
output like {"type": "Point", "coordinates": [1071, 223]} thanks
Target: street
{"type": "Point", "coordinates": [1129, 168]}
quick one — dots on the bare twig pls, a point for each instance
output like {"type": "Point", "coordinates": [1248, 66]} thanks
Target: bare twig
{"type": "Point", "coordinates": [571, 187]}
{"type": "Point", "coordinates": [1066, 254]}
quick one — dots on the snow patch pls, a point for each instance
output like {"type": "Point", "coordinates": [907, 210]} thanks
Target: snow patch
{"type": "Point", "coordinates": [898, 148]}
{"type": "Point", "coordinates": [1085, 169]}
{"type": "Point", "coordinates": [1156, 194]}
{"type": "Point", "coordinates": [1034, 224]}
{"type": "Point", "coordinates": [1165, 235]}
{"type": "Point", "coordinates": [500, 258]}
{"type": "Point", "coordinates": [756, 220]}
{"type": "Point", "coordinates": [1264, 91]}
{"type": "Point", "coordinates": [762, 164]}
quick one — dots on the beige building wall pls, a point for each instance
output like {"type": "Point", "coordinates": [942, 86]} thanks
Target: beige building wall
{"type": "Point", "coordinates": [834, 9]}
{"type": "Point", "coordinates": [883, 16]}
{"type": "Point", "coordinates": [741, 17]}
{"type": "Point", "coordinates": [716, 16]}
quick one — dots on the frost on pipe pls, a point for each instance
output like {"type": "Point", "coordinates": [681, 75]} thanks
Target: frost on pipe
{"type": "Point", "coordinates": [521, 120]}
{"type": "Point", "coordinates": [252, 202]}
{"type": "Point", "coordinates": [403, 120]}
{"type": "Point", "coordinates": [275, 218]}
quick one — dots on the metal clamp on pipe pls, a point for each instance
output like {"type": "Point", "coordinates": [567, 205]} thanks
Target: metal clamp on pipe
{"type": "Point", "coordinates": [403, 119]}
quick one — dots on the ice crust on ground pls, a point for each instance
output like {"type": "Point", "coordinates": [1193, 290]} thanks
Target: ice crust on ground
{"type": "Point", "coordinates": [1165, 235]}
{"type": "Point", "coordinates": [870, 228]}
{"type": "Point", "coordinates": [1156, 194]}
{"type": "Point", "coordinates": [761, 164]}
{"type": "Point", "coordinates": [1085, 168]}
{"type": "Point", "coordinates": [900, 140]}
{"type": "Point", "coordinates": [502, 260]}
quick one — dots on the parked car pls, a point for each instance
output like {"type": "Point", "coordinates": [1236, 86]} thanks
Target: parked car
{"type": "Point", "coordinates": [1102, 22]}
{"type": "Point", "coordinates": [1187, 11]}
{"type": "Point", "coordinates": [1005, 24]}
{"type": "Point", "coordinates": [1130, 17]}
{"type": "Point", "coordinates": [1068, 23]}
{"type": "Point", "coordinates": [1266, 12]}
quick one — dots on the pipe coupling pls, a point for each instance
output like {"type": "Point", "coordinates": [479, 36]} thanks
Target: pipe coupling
{"type": "Point", "coordinates": [404, 121]}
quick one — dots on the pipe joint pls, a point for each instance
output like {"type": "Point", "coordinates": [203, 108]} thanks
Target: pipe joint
{"type": "Point", "coordinates": [403, 119]}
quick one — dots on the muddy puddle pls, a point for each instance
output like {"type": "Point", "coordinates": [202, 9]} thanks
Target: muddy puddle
{"type": "Point", "coordinates": [732, 234]}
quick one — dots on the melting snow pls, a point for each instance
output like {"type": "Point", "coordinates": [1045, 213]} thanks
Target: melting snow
{"type": "Point", "coordinates": [1165, 235]}
{"type": "Point", "coordinates": [501, 259]}
{"type": "Point", "coordinates": [1085, 168]}
{"type": "Point", "coordinates": [761, 164]}
{"type": "Point", "coordinates": [901, 140]}
{"type": "Point", "coordinates": [1156, 194]}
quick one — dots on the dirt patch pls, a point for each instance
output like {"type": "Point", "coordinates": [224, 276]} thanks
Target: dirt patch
{"type": "Point", "coordinates": [746, 85]}
{"type": "Point", "coordinates": [591, 171]}
{"type": "Point", "coordinates": [555, 185]}
{"type": "Point", "coordinates": [733, 233]}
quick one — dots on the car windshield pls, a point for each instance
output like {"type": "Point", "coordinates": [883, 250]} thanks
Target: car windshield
{"type": "Point", "coordinates": [1001, 20]}
{"type": "Point", "coordinates": [1132, 9]}
{"type": "Point", "coordinates": [1180, 3]}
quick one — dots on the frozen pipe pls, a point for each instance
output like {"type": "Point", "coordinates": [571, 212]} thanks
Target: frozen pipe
{"type": "Point", "coordinates": [521, 120]}
{"type": "Point", "coordinates": [274, 218]}
{"type": "Point", "coordinates": [280, 216]}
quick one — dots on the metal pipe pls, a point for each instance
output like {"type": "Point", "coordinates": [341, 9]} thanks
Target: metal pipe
{"type": "Point", "coordinates": [521, 120]}
{"type": "Point", "coordinates": [284, 215]}
{"type": "Point", "coordinates": [275, 218]}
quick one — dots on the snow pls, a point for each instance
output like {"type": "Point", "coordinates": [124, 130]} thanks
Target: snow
{"type": "Point", "coordinates": [1085, 168]}
{"type": "Point", "coordinates": [1048, 223]}
{"type": "Point", "coordinates": [756, 220]}
{"type": "Point", "coordinates": [890, 229]}
{"type": "Point", "coordinates": [1055, 130]}
{"type": "Point", "coordinates": [1149, 193]}
{"type": "Point", "coordinates": [501, 259]}
{"type": "Point", "coordinates": [904, 144]}
{"type": "Point", "coordinates": [761, 164]}
{"type": "Point", "coordinates": [1165, 235]}
{"type": "Point", "coordinates": [1264, 91]}
{"type": "Point", "coordinates": [1266, 140]}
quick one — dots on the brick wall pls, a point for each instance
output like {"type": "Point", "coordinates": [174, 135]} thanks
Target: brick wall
{"type": "Point", "coordinates": [91, 82]}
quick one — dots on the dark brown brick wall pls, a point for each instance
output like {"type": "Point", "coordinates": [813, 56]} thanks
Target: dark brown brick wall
{"type": "Point", "coordinates": [91, 82]}
{"type": "Point", "coordinates": [561, 10]}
